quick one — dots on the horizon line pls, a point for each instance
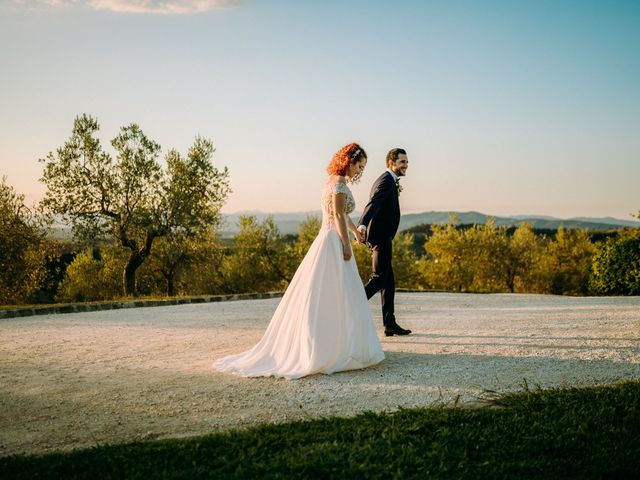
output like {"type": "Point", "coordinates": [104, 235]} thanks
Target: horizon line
{"type": "Point", "coordinates": [418, 212]}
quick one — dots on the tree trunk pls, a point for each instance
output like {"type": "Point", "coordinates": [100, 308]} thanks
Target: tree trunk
{"type": "Point", "coordinates": [169, 274]}
{"type": "Point", "coordinates": [136, 258]}
{"type": "Point", "coordinates": [171, 290]}
{"type": "Point", "coordinates": [129, 277]}
{"type": "Point", "coordinates": [511, 281]}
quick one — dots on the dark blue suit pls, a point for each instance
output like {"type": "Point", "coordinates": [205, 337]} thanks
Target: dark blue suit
{"type": "Point", "coordinates": [381, 216]}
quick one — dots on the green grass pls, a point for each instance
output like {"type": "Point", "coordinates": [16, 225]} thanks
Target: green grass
{"type": "Point", "coordinates": [573, 433]}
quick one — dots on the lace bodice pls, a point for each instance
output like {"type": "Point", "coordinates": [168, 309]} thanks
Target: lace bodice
{"type": "Point", "coordinates": [328, 215]}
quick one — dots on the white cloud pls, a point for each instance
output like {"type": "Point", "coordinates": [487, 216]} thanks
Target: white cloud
{"type": "Point", "coordinates": [161, 7]}
{"type": "Point", "coordinates": [167, 7]}
{"type": "Point", "coordinates": [31, 4]}
{"type": "Point", "coordinates": [58, 3]}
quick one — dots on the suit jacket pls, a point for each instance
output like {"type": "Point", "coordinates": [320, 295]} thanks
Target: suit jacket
{"type": "Point", "coordinates": [381, 215]}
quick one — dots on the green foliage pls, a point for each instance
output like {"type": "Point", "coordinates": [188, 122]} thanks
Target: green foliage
{"type": "Point", "coordinates": [449, 259]}
{"type": "Point", "coordinates": [191, 266]}
{"type": "Point", "coordinates": [485, 258]}
{"type": "Point", "coordinates": [259, 259]}
{"type": "Point", "coordinates": [490, 257]}
{"type": "Point", "coordinates": [406, 263]}
{"type": "Point", "coordinates": [568, 259]}
{"type": "Point", "coordinates": [501, 262]}
{"type": "Point", "coordinates": [482, 258]}
{"type": "Point", "coordinates": [95, 274]}
{"type": "Point", "coordinates": [186, 265]}
{"type": "Point", "coordinates": [524, 269]}
{"type": "Point", "coordinates": [132, 199]}
{"type": "Point", "coordinates": [616, 265]}
{"type": "Point", "coordinates": [59, 257]}
{"type": "Point", "coordinates": [574, 433]}
{"type": "Point", "coordinates": [23, 248]}
{"type": "Point", "coordinates": [204, 274]}
{"type": "Point", "coordinates": [295, 251]}
{"type": "Point", "coordinates": [307, 233]}
{"type": "Point", "coordinates": [362, 255]}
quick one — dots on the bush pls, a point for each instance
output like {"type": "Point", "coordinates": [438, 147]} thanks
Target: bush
{"type": "Point", "coordinates": [568, 260]}
{"type": "Point", "coordinates": [616, 266]}
{"type": "Point", "coordinates": [93, 275]}
{"type": "Point", "coordinates": [259, 260]}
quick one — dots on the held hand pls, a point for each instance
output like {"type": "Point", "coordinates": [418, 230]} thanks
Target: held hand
{"type": "Point", "coordinates": [362, 230]}
{"type": "Point", "coordinates": [359, 236]}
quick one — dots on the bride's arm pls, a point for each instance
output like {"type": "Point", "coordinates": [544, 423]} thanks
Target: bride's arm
{"type": "Point", "coordinates": [353, 229]}
{"type": "Point", "coordinates": [341, 224]}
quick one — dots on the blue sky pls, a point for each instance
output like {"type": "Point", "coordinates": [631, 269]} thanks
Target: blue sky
{"type": "Point", "coordinates": [504, 107]}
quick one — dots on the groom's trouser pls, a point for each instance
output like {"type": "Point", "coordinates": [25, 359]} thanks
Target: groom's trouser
{"type": "Point", "coordinates": [382, 279]}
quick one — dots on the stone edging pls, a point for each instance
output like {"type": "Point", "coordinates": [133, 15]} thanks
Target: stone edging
{"type": "Point", "coordinates": [95, 306]}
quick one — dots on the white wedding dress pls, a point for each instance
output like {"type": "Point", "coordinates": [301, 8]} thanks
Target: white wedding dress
{"type": "Point", "coordinates": [323, 323]}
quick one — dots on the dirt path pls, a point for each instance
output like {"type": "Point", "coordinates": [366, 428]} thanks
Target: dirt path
{"type": "Point", "coordinates": [77, 380]}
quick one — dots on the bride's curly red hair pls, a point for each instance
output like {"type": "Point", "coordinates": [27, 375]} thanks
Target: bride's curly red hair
{"type": "Point", "coordinates": [348, 155]}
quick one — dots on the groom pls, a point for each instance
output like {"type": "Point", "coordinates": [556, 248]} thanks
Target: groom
{"type": "Point", "coordinates": [378, 225]}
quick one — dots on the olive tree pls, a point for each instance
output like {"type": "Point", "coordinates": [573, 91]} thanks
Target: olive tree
{"type": "Point", "coordinates": [132, 197]}
{"type": "Point", "coordinates": [307, 233]}
{"type": "Point", "coordinates": [449, 259]}
{"type": "Point", "coordinates": [616, 265]}
{"type": "Point", "coordinates": [259, 259]}
{"type": "Point", "coordinates": [525, 266]}
{"type": "Point", "coordinates": [22, 248]}
{"type": "Point", "coordinates": [181, 265]}
{"type": "Point", "coordinates": [568, 258]}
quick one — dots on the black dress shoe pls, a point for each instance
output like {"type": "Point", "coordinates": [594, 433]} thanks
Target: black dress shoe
{"type": "Point", "coordinates": [396, 329]}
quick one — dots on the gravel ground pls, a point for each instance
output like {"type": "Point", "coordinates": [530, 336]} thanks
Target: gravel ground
{"type": "Point", "coordinates": [84, 379]}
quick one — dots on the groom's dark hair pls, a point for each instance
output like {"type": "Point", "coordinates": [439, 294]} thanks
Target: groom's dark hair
{"type": "Point", "coordinates": [392, 156]}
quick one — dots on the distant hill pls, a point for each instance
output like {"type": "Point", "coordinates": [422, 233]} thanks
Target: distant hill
{"type": "Point", "coordinates": [288, 222]}
{"type": "Point", "coordinates": [541, 222]}
{"type": "Point", "coordinates": [610, 221]}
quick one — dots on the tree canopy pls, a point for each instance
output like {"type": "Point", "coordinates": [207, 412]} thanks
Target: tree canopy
{"type": "Point", "coordinates": [22, 247]}
{"type": "Point", "coordinates": [132, 198]}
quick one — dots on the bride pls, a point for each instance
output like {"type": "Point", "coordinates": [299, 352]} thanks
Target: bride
{"type": "Point", "coordinates": [323, 323]}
